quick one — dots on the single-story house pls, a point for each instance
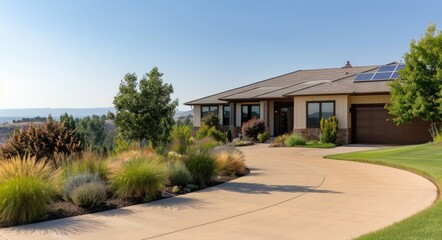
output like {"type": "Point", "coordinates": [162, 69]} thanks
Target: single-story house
{"type": "Point", "coordinates": [296, 101]}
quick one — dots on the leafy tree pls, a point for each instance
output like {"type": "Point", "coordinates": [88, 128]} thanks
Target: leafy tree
{"type": "Point", "coordinates": [418, 91]}
{"type": "Point", "coordinates": [68, 121]}
{"type": "Point", "coordinates": [144, 110]}
{"type": "Point", "coordinates": [110, 115]}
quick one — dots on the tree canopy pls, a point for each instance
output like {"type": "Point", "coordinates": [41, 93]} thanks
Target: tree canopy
{"type": "Point", "coordinates": [418, 91]}
{"type": "Point", "coordinates": [144, 110]}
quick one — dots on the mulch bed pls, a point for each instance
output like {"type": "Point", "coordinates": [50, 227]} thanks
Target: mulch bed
{"type": "Point", "coordinates": [59, 208]}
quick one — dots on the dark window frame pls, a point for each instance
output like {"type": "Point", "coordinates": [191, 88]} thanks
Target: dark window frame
{"type": "Point", "coordinates": [320, 110]}
{"type": "Point", "coordinates": [249, 112]}
{"type": "Point", "coordinates": [226, 121]}
{"type": "Point", "coordinates": [209, 106]}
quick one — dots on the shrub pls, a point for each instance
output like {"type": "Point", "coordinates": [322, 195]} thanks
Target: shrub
{"type": "Point", "coordinates": [42, 142]}
{"type": "Point", "coordinates": [206, 131]}
{"type": "Point", "coordinates": [26, 188]}
{"type": "Point", "coordinates": [279, 141]}
{"type": "Point", "coordinates": [263, 137]}
{"type": "Point", "coordinates": [202, 167]}
{"type": "Point", "coordinates": [75, 181]}
{"type": "Point", "coordinates": [229, 135]}
{"type": "Point", "coordinates": [181, 136]}
{"type": "Point", "coordinates": [252, 128]}
{"type": "Point", "coordinates": [89, 194]}
{"type": "Point", "coordinates": [328, 129]}
{"type": "Point", "coordinates": [210, 120]}
{"type": "Point", "coordinates": [231, 162]}
{"type": "Point", "coordinates": [203, 145]}
{"type": "Point", "coordinates": [88, 163]}
{"type": "Point", "coordinates": [179, 174]}
{"type": "Point", "coordinates": [295, 140]}
{"type": "Point", "coordinates": [141, 177]}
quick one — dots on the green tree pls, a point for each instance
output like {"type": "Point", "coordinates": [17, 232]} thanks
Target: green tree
{"type": "Point", "coordinates": [68, 121]}
{"type": "Point", "coordinates": [144, 110]}
{"type": "Point", "coordinates": [418, 91]}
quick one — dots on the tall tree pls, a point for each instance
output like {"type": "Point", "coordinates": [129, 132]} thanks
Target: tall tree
{"type": "Point", "coordinates": [144, 110]}
{"type": "Point", "coordinates": [418, 91]}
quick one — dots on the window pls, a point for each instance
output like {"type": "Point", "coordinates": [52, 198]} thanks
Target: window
{"type": "Point", "coordinates": [226, 115]}
{"type": "Point", "coordinates": [318, 110]}
{"type": "Point", "coordinates": [206, 109]}
{"type": "Point", "coordinates": [248, 112]}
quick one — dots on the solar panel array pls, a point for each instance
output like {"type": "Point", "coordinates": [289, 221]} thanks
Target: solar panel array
{"type": "Point", "coordinates": [386, 72]}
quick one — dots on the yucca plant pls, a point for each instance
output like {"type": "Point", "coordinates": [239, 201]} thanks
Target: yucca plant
{"type": "Point", "coordinates": [26, 188]}
{"type": "Point", "coordinates": [141, 177]}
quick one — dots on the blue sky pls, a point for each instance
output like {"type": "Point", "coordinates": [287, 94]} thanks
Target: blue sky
{"type": "Point", "coordinates": [75, 53]}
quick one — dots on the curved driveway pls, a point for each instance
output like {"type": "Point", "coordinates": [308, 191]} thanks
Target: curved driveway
{"type": "Point", "coordinates": [291, 193]}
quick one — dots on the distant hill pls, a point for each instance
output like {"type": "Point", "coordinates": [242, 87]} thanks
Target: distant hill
{"type": "Point", "coordinates": [183, 114]}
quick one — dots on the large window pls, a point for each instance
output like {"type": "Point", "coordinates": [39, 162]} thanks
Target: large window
{"type": "Point", "coordinates": [205, 109]}
{"type": "Point", "coordinates": [318, 110]}
{"type": "Point", "coordinates": [248, 112]}
{"type": "Point", "coordinates": [226, 115]}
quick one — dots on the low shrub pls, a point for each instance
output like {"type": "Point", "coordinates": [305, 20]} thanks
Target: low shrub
{"type": "Point", "coordinates": [279, 141]}
{"type": "Point", "coordinates": [206, 131]}
{"type": "Point", "coordinates": [295, 140]}
{"type": "Point", "coordinates": [26, 188]}
{"type": "Point", "coordinates": [75, 181]}
{"type": "Point", "coordinates": [210, 120]}
{"type": "Point", "coordinates": [252, 128]}
{"type": "Point", "coordinates": [141, 177]}
{"type": "Point", "coordinates": [202, 167]}
{"type": "Point", "coordinates": [203, 145]}
{"type": "Point", "coordinates": [263, 137]}
{"type": "Point", "coordinates": [230, 162]}
{"type": "Point", "coordinates": [239, 142]}
{"type": "Point", "coordinates": [90, 194]}
{"type": "Point", "coordinates": [329, 128]}
{"type": "Point", "coordinates": [179, 174]}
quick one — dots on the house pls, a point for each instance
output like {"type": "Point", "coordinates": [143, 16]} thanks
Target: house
{"type": "Point", "coordinates": [296, 101]}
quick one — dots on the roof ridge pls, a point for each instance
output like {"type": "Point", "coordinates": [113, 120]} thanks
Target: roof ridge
{"type": "Point", "coordinates": [187, 103]}
{"type": "Point", "coordinates": [335, 68]}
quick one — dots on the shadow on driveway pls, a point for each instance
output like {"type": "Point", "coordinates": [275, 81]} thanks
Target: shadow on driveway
{"type": "Point", "coordinates": [258, 188]}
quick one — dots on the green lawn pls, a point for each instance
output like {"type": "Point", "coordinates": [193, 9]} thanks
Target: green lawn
{"type": "Point", "coordinates": [423, 159]}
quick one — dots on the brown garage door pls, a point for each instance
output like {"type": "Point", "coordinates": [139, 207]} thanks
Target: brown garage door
{"type": "Point", "coordinates": [370, 126]}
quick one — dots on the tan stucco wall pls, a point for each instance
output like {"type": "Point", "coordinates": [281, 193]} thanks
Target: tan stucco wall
{"type": "Point", "coordinates": [369, 99]}
{"type": "Point", "coordinates": [197, 115]}
{"type": "Point", "coordinates": [341, 104]}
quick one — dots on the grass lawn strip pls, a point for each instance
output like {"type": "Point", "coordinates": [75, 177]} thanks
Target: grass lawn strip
{"type": "Point", "coordinates": [426, 160]}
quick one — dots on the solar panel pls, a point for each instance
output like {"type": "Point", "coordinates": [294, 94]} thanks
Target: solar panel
{"type": "Point", "coordinates": [382, 76]}
{"type": "Point", "coordinates": [387, 68]}
{"type": "Point", "coordinates": [386, 72]}
{"type": "Point", "coordinates": [400, 66]}
{"type": "Point", "coordinates": [363, 76]}
{"type": "Point", "coordinates": [394, 75]}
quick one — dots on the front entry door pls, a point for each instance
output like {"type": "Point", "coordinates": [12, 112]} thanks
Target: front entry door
{"type": "Point", "coordinates": [283, 118]}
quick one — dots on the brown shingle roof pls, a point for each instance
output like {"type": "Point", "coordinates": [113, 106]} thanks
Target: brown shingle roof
{"type": "Point", "coordinates": [290, 84]}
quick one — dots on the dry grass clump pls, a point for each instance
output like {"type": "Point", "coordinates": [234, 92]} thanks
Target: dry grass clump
{"type": "Point", "coordinates": [231, 162]}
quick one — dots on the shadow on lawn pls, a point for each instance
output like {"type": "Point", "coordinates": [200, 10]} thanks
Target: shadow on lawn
{"type": "Point", "coordinates": [257, 188]}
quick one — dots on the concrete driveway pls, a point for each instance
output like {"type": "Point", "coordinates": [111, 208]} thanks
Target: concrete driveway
{"type": "Point", "coordinates": [291, 193]}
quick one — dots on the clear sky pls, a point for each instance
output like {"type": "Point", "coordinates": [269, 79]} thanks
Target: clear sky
{"type": "Point", "coordinates": [75, 53]}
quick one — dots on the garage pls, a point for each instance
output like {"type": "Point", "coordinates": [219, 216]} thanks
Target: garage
{"type": "Point", "coordinates": [370, 126]}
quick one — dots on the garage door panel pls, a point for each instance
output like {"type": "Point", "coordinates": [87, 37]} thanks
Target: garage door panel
{"type": "Point", "coordinates": [371, 126]}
